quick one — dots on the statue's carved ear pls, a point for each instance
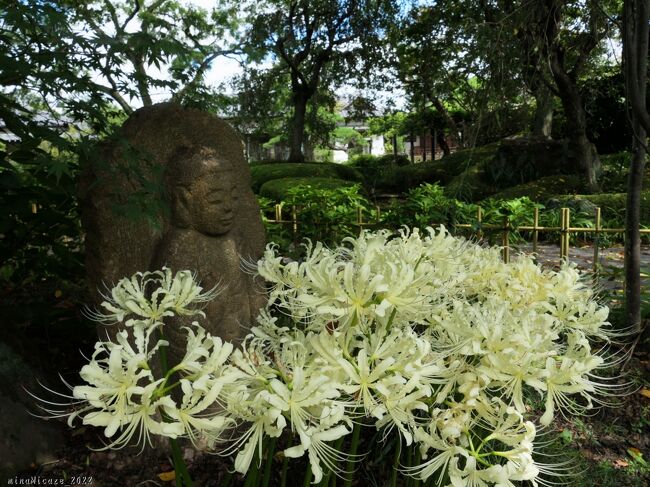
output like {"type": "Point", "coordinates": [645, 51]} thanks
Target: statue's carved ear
{"type": "Point", "coordinates": [181, 207]}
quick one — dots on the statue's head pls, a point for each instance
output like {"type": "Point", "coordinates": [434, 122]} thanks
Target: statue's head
{"type": "Point", "coordinates": [202, 191]}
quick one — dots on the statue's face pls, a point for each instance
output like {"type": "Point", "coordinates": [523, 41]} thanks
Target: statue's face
{"type": "Point", "coordinates": [213, 199]}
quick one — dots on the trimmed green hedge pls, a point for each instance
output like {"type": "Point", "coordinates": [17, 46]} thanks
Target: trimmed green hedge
{"type": "Point", "coordinates": [401, 179]}
{"type": "Point", "coordinates": [276, 189]}
{"type": "Point", "coordinates": [264, 173]}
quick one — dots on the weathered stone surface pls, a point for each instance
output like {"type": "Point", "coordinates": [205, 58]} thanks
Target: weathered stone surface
{"type": "Point", "coordinates": [187, 170]}
{"type": "Point", "coordinates": [24, 438]}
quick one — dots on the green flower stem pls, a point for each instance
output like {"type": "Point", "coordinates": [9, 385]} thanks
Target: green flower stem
{"type": "Point", "coordinates": [475, 453]}
{"type": "Point", "coordinates": [227, 479]}
{"type": "Point", "coordinates": [253, 473]}
{"type": "Point", "coordinates": [354, 445]}
{"type": "Point", "coordinates": [393, 474]}
{"type": "Point", "coordinates": [285, 470]}
{"type": "Point", "coordinates": [183, 478]}
{"type": "Point", "coordinates": [182, 474]}
{"type": "Point", "coordinates": [269, 462]}
{"type": "Point", "coordinates": [307, 479]}
{"type": "Point", "coordinates": [409, 463]}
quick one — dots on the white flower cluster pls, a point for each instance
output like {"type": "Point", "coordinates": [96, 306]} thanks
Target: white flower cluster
{"type": "Point", "coordinates": [427, 337]}
{"type": "Point", "coordinates": [122, 392]}
{"type": "Point", "coordinates": [436, 339]}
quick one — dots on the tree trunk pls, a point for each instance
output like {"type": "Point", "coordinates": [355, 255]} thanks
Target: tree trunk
{"type": "Point", "coordinates": [433, 144]}
{"type": "Point", "coordinates": [395, 147]}
{"type": "Point", "coordinates": [309, 154]}
{"type": "Point", "coordinates": [412, 148]}
{"type": "Point", "coordinates": [583, 150]}
{"type": "Point", "coordinates": [632, 234]}
{"type": "Point", "coordinates": [543, 121]}
{"type": "Point", "coordinates": [635, 59]}
{"type": "Point", "coordinates": [453, 128]}
{"type": "Point", "coordinates": [442, 142]}
{"type": "Point", "coordinates": [300, 99]}
{"type": "Point", "coordinates": [424, 146]}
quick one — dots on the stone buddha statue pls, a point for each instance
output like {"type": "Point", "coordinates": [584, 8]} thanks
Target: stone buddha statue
{"type": "Point", "coordinates": [213, 224]}
{"type": "Point", "coordinates": [202, 236]}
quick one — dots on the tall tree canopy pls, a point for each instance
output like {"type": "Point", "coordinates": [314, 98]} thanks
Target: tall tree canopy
{"type": "Point", "coordinates": [69, 70]}
{"type": "Point", "coordinates": [315, 39]}
{"type": "Point", "coordinates": [125, 51]}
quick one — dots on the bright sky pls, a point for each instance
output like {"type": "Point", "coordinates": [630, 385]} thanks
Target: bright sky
{"type": "Point", "coordinates": [223, 69]}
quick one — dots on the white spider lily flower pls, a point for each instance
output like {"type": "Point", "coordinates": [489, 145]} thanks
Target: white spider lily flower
{"type": "Point", "coordinates": [568, 377]}
{"type": "Point", "coordinates": [178, 292]}
{"type": "Point", "coordinates": [363, 378]}
{"type": "Point", "coordinates": [439, 462]}
{"type": "Point", "coordinates": [131, 417]}
{"type": "Point", "coordinates": [473, 476]}
{"type": "Point", "coordinates": [263, 418]}
{"type": "Point", "coordinates": [197, 411]}
{"type": "Point", "coordinates": [299, 399]}
{"type": "Point", "coordinates": [145, 419]}
{"type": "Point", "coordinates": [152, 296]}
{"type": "Point", "coordinates": [110, 390]}
{"type": "Point", "coordinates": [399, 402]}
{"type": "Point", "coordinates": [204, 353]}
{"type": "Point", "coordinates": [319, 451]}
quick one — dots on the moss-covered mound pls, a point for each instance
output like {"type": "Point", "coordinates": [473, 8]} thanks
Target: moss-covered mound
{"type": "Point", "coordinates": [458, 162]}
{"type": "Point", "coordinates": [544, 188]}
{"type": "Point", "coordinates": [443, 171]}
{"type": "Point", "coordinates": [276, 189]}
{"type": "Point", "coordinates": [471, 185]}
{"type": "Point", "coordinates": [263, 173]}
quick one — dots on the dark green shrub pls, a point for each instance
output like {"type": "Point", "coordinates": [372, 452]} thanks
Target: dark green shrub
{"type": "Point", "coordinates": [263, 173]}
{"type": "Point", "coordinates": [327, 214]}
{"type": "Point", "coordinates": [443, 171]}
{"type": "Point", "coordinates": [395, 160]}
{"type": "Point", "coordinates": [612, 206]}
{"type": "Point", "coordinates": [427, 205]}
{"type": "Point", "coordinates": [278, 189]}
{"type": "Point", "coordinates": [457, 162]}
{"type": "Point", "coordinates": [375, 169]}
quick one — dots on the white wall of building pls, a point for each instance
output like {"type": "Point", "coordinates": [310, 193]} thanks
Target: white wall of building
{"type": "Point", "coordinates": [377, 145]}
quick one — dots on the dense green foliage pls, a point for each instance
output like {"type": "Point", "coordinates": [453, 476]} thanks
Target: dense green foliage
{"type": "Point", "coordinates": [327, 211]}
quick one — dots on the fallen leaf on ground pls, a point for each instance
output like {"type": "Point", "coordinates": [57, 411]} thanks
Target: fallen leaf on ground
{"type": "Point", "coordinates": [645, 392]}
{"type": "Point", "coordinates": [167, 476]}
{"type": "Point", "coordinates": [620, 463]}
